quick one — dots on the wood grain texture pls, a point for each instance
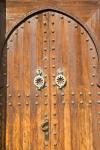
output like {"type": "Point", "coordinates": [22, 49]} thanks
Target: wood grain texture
{"type": "Point", "coordinates": [49, 41]}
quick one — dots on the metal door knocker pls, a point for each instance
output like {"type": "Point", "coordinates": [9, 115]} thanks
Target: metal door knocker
{"type": "Point", "coordinates": [60, 79]}
{"type": "Point", "coordinates": [45, 128]}
{"type": "Point", "coordinates": [39, 79]}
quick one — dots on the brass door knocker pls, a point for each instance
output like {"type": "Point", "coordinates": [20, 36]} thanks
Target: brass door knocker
{"type": "Point", "coordinates": [39, 79]}
{"type": "Point", "coordinates": [60, 79]}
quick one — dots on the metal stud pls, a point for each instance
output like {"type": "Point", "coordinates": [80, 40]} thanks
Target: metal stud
{"type": "Point", "coordinates": [45, 41]}
{"type": "Point", "coordinates": [62, 94]}
{"type": "Point", "coordinates": [91, 48]}
{"type": "Point", "coordinates": [55, 144]}
{"type": "Point", "coordinates": [94, 66]}
{"type": "Point", "coordinates": [4, 73]}
{"type": "Point", "coordinates": [92, 84]}
{"type": "Point", "coordinates": [45, 67]}
{"type": "Point", "coordinates": [36, 17]}
{"type": "Point", "coordinates": [76, 26]}
{"type": "Point", "coordinates": [19, 104]}
{"type": "Point", "coordinates": [69, 21]}
{"type": "Point", "coordinates": [93, 57]}
{"type": "Point", "coordinates": [44, 14]}
{"type": "Point", "coordinates": [54, 114]}
{"type": "Point", "coordinates": [27, 95]}
{"type": "Point", "coordinates": [29, 21]}
{"type": "Point", "coordinates": [55, 103]}
{"type": "Point", "coordinates": [53, 31]}
{"type": "Point", "coordinates": [89, 93]}
{"type": "Point", "coordinates": [93, 75]}
{"type": "Point", "coordinates": [53, 75]}
{"type": "Point", "coordinates": [53, 57]}
{"type": "Point", "coordinates": [90, 102]}
{"type": "Point", "coordinates": [36, 95]}
{"type": "Point", "coordinates": [19, 95]}
{"type": "Point", "coordinates": [82, 32]}
{"type": "Point", "coordinates": [10, 104]}
{"type": "Point", "coordinates": [98, 93]}
{"type": "Point", "coordinates": [63, 102]}
{"type": "Point", "coordinates": [53, 66]}
{"type": "Point", "coordinates": [45, 31]}
{"type": "Point", "coordinates": [52, 23]}
{"type": "Point", "coordinates": [98, 101]}
{"type": "Point", "coordinates": [73, 102]}
{"type": "Point", "coordinates": [1, 95]}
{"type": "Point", "coordinates": [62, 17]}
{"type": "Point", "coordinates": [53, 40]}
{"type": "Point", "coordinates": [1, 104]}
{"type": "Point", "coordinates": [81, 102]}
{"type": "Point", "coordinates": [87, 40]}
{"type": "Point", "coordinates": [53, 14]}
{"type": "Point", "coordinates": [45, 76]}
{"type": "Point", "coordinates": [54, 84]}
{"type": "Point", "coordinates": [7, 85]}
{"type": "Point", "coordinates": [54, 94]}
{"type": "Point", "coordinates": [46, 102]}
{"type": "Point", "coordinates": [98, 113]}
{"type": "Point", "coordinates": [36, 103]}
{"type": "Point", "coordinates": [54, 133]}
{"type": "Point", "coordinates": [45, 58]}
{"type": "Point", "coordinates": [27, 103]}
{"type": "Point", "coordinates": [10, 95]}
{"type": "Point", "coordinates": [81, 93]}
{"type": "Point", "coordinates": [73, 93]}
{"type": "Point", "coordinates": [99, 122]}
{"type": "Point", "coordinates": [45, 95]}
{"type": "Point", "coordinates": [53, 48]}
{"type": "Point", "coordinates": [45, 23]}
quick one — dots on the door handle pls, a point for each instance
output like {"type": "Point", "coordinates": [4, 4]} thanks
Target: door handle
{"type": "Point", "coordinates": [45, 128]}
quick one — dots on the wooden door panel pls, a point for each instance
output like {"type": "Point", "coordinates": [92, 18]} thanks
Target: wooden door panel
{"type": "Point", "coordinates": [50, 41]}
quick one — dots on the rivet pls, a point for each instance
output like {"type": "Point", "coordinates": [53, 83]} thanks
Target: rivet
{"type": "Point", "coordinates": [36, 103]}
{"type": "Point", "coordinates": [44, 14]}
{"type": "Point", "coordinates": [81, 102]}
{"type": "Point", "coordinates": [92, 84]}
{"type": "Point", "coordinates": [99, 122]}
{"type": "Point", "coordinates": [4, 64]}
{"type": "Point", "coordinates": [98, 113]}
{"type": "Point", "coordinates": [36, 95]}
{"type": "Point", "coordinates": [45, 31]}
{"type": "Point", "coordinates": [10, 104]}
{"type": "Point", "coordinates": [73, 93]}
{"type": "Point", "coordinates": [22, 27]}
{"type": "Point", "coordinates": [19, 95]}
{"type": "Point", "coordinates": [91, 48]}
{"type": "Point", "coordinates": [94, 66]}
{"type": "Point", "coordinates": [11, 40]}
{"type": "Point", "coordinates": [53, 40]}
{"type": "Point", "coordinates": [54, 133]}
{"type": "Point", "coordinates": [82, 32]}
{"type": "Point", "coordinates": [46, 143]}
{"type": "Point", "coordinates": [54, 94]}
{"type": "Point", "coordinates": [76, 26]}
{"type": "Point", "coordinates": [89, 93]}
{"type": "Point", "coordinates": [55, 144]}
{"type": "Point", "coordinates": [69, 21]}
{"type": "Point", "coordinates": [53, 31]}
{"type": "Point", "coordinates": [98, 101]}
{"type": "Point", "coordinates": [36, 17]}
{"type": "Point", "coordinates": [54, 114]}
{"type": "Point", "coordinates": [52, 23]}
{"type": "Point", "coordinates": [45, 67]}
{"type": "Point", "coordinates": [62, 17]}
{"type": "Point", "coordinates": [46, 103]}
{"type": "Point", "coordinates": [93, 75]}
{"type": "Point", "coordinates": [10, 95]}
{"type": "Point", "coordinates": [55, 124]}
{"type": "Point", "coordinates": [7, 85]}
{"type": "Point", "coordinates": [53, 58]}
{"type": "Point", "coordinates": [45, 95]}
{"type": "Point", "coordinates": [53, 75]}
{"type": "Point", "coordinates": [55, 103]}
{"type": "Point", "coordinates": [45, 58]}
{"type": "Point", "coordinates": [63, 102]}
{"type": "Point", "coordinates": [53, 66]}
{"type": "Point", "coordinates": [54, 84]}
{"type": "Point", "coordinates": [27, 103]}
{"type": "Point", "coordinates": [93, 57]}
{"type": "Point", "coordinates": [73, 102]}
{"type": "Point", "coordinates": [27, 95]}
{"type": "Point", "coordinates": [45, 23]}
{"type": "Point", "coordinates": [81, 93]}
{"type": "Point", "coordinates": [45, 76]}
{"type": "Point", "coordinates": [90, 102]}
{"type": "Point", "coordinates": [53, 14]}
{"type": "Point", "coordinates": [16, 33]}
{"type": "Point", "coordinates": [7, 47]}
{"type": "Point", "coordinates": [29, 21]}
{"type": "Point", "coordinates": [87, 40]}
{"type": "Point", "coordinates": [19, 104]}
{"type": "Point", "coordinates": [45, 41]}
{"type": "Point", "coordinates": [45, 49]}
{"type": "Point", "coordinates": [98, 93]}
{"type": "Point", "coordinates": [53, 48]}
{"type": "Point", "coordinates": [45, 115]}
{"type": "Point", "coordinates": [62, 94]}
{"type": "Point", "coordinates": [0, 95]}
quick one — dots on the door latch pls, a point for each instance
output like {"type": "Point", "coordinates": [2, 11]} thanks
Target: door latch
{"type": "Point", "coordinates": [45, 128]}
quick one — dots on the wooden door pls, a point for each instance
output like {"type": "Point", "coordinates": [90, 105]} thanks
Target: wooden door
{"type": "Point", "coordinates": [52, 95]}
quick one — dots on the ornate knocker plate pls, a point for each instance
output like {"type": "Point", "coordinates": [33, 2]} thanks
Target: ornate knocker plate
{"type": "Point", "coordinates": [60, 79]}
{"type": "Point", "coordinates": [39, 79]}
